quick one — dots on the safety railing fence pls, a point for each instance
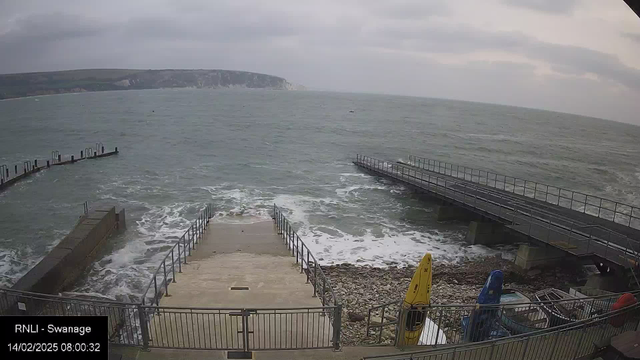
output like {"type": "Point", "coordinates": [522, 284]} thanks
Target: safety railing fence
{"type": "Point", "coordinates": [311, 268]}
{"type": "Point", "coordinates": [308, 264]}
{"type": "Point", "coordinates": [123, 318]}
{"type": "Point", "coordinates": [570, 341]}
{"type": "Point", "coordinates": [615, 211]}
{"type": "Point", "coordinates": [240, 329]}
{"type": "Point", "coordinates": [165, 273]}
{"type": "Point", "coordinates": [531, 222]}
{"type": "Point", "coordinates": [457, 323]}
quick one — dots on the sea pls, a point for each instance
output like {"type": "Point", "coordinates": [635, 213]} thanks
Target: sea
{"type": "Point", "coordinates": [245, 150]}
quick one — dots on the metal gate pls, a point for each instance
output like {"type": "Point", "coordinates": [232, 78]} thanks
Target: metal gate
{"type": "Point", "coordinates": [241, 329]}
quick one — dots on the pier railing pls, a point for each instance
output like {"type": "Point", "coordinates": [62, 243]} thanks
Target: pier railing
{"type": "Point", "coordinates": [574, 340]}
{"type": "Point", "coordinates": [172, 262]}
{"type": "Point", "coordinates": [458, 323]}
{"type": "Point", "coordinates": [29, 167]}
{"type": "Point", "coordinates": [575, 237]}
{"type": "Point", "coordinates": [615, 211]}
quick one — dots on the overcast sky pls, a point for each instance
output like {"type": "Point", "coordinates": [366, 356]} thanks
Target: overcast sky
{"type": "Point", "coordinates": [577, 56]}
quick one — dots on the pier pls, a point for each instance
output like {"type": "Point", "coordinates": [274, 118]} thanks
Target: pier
{"type": "Point", "coordinates": [10, 175]}
{"type": "Point", "coordinates": [556, 222]}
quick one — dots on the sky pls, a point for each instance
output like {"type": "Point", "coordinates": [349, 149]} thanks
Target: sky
{"type": "Point", "coordinates": [576, 56]}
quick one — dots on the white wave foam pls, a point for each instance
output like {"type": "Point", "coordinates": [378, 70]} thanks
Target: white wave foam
{"type": "Point", "coordinates": [626, 192]}
{"type": "Point", "coordinates": [13, 264]}
{"type": "Point", "coordinates": [239, 205]}
{"type": "Point", "coordinates": [390, 246]}
{"type": "Point", "coordinates": [127, 270]}
{"type": "Point", "coordinates": [353, 190]}
{"type": "Point", "coordinates": [361, 175]}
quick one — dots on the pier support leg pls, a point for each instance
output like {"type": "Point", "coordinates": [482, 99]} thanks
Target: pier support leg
{"type": "Point", "coordinates": [530, 255]}
{"type": "Point", "coordinates": [485, 233]}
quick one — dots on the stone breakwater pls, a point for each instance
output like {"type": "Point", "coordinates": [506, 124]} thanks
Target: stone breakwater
{"type": "Point", "coordinates": [361, 287]}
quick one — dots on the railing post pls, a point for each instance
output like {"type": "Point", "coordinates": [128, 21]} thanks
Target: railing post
{"type": "Point", "coordinates": [142, 316]}
{"type": "Point", "coordinates": [297, 248]}
{"type": "Point", "coordinates": [286, 234]}
{"type": "Point", "coordinates": [166, 283]}
{"type": "Point", "coordinates": [337, 324]}
{"type": "Point", "coordinates": [184, 243]}
{"type": "Point", "coordinates": [307, 266]}
{"type": "Point", "coordinates": [315, 278]}
{"type": "Point", "coordinates": [173, 266]}
{"type": "Point", "coordinates": [302, 258]}
{"type": "Point", "coordinates": [179, 258]}
{"type": "Point", "coordinates": [155, 290]}
{"type": "Point", "coordinates": [324, 289]}
{"type": "Point", "coordinates": [291, 240]}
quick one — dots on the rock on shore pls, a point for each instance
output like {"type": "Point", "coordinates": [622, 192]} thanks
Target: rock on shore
{"type": "Point", "coordinates": [361, 287]}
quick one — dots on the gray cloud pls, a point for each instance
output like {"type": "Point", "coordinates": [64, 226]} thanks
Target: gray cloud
{"type": "Point", "coordinates": [378, 49]}
{"type": "Point", "coordinates": [547, 6]}
{"type": "Point", "coordinates": [447, 38]}
{"type": "Point", "coordinates": [570, 60]}
{"type": "Point", "coordinates": [580, 61]}
{"type": "Point", "coordinates": [457, 39]}
{"type": "Point", "coordinates": [632, 36]}
{"type": "Point", "coordinates": [407, 9]}
{"type": "Point", "coordinates": [46, 27]}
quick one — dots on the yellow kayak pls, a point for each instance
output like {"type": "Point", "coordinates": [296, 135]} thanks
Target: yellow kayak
{"type": "Point", "coordinates": [418, 294]}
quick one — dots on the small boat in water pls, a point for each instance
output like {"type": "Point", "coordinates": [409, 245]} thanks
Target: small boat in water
{"type": "Point", "coordinates": [519, 316]}
{"type": "Point", "coordinates": [561, 307]}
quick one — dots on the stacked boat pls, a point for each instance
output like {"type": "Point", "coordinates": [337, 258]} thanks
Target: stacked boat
{"type": "Point", "coordinates": [518, 314]}
{"type": "Point", "coordinates": [499, 312]}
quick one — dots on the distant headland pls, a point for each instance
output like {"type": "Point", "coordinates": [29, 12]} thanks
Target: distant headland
{"type": "Point", "coordinates": [73, 81]}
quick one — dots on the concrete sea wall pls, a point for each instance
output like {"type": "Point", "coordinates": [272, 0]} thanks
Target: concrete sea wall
{"type": "Point", "coordinates": [68, 260]}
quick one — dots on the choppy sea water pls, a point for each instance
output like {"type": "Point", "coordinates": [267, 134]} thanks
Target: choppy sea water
{"type": "Point", "coordinates": [244, 150]}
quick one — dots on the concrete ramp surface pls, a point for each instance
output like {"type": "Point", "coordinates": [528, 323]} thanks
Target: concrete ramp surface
{"type": "Point", "coordinates": [241, 287]}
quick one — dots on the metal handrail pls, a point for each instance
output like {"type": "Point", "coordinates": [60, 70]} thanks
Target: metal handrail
{"type": "Point", "coordinates": [333, 307]}
{"type": "Point", "coordinates": [627, 314]}
{"type": "Point", "coordinates": [443, 187]}
{"type": "Point", "coordinates": [300, 249]}
{"type": "Point", "coordinates": [575, 228]}
{"type": "Point", "coordinates": [41, 296]}
{"type": "Point", "coordinates": [492, 179]}
{"type": "Point", "coordinates": [236, 308]}
{"type": "Point", "coordinates": [177, 253]}
{"type": "Point", "coordinates": [458, 311]}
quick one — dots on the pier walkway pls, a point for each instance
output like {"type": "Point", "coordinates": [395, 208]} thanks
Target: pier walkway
{"type": "Point", "coordinates": [579, 233]}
